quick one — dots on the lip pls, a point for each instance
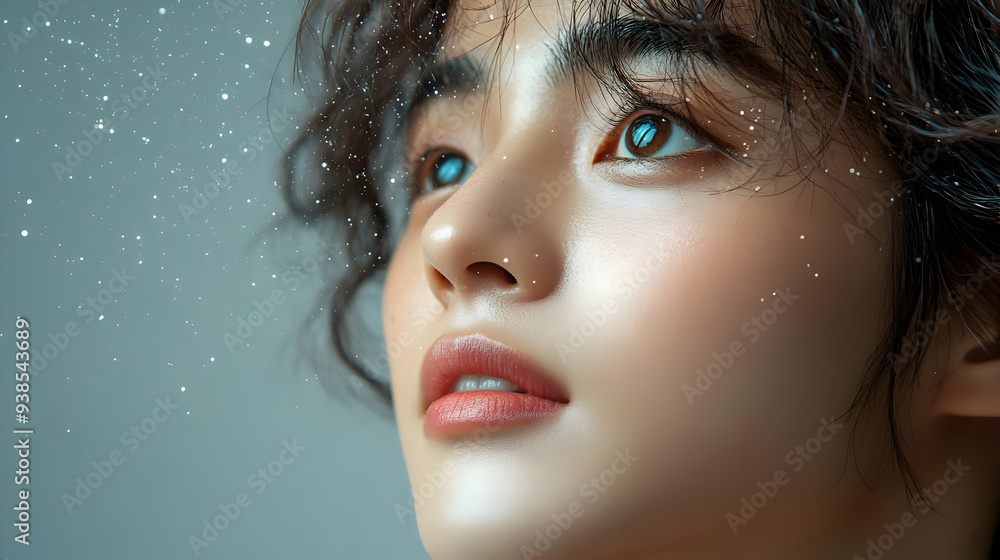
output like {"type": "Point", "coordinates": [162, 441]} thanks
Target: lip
{"type": "Point", "coordinates": [451, 414]}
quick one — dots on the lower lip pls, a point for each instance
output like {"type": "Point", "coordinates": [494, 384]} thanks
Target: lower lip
{"type": "Point", "coordinates": [464, 413]}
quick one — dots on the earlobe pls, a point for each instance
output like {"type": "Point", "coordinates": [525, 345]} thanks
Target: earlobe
{"type": "Point", "coordinates": [973, 389]}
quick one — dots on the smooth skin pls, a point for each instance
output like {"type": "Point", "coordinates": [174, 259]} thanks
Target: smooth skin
{"type": "Point", "coordinates": [689, 263]}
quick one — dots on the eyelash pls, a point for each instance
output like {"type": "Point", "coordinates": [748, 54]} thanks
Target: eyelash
{"type": "Point", "coordinates": [638, 102]}
{"type": "Point", "coordinates": [425, 149]}
{"type": "Point", "coordinates": [635, 103]}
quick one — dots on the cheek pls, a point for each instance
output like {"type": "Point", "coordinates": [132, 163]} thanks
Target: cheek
{"type": "Point", "coordinates": [407, 311]}
{"type": "Point", "coordinates": [406, 297]}
{"type": "Point", "coordinates": [723, 349]}
{"type": "Point", "coordinates": [403, 285]}
{"type": "Point", "coordinates": [411, 319]}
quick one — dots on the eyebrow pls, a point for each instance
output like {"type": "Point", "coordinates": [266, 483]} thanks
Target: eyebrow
{"type": "Point", "coordinates": [598, 47]}
{"type": "Point", "coordinates": [454, 76]}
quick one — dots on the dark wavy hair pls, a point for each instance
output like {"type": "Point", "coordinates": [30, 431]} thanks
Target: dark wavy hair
{"type": "Point", "coordinates": [923, 74]}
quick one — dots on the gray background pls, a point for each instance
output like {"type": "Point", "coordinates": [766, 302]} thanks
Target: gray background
{"type": "Point", "coordinates": [162, 337]}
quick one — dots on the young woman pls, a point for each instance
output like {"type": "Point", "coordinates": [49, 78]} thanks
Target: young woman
{"type": "Point", "coordinates": [672, 279]}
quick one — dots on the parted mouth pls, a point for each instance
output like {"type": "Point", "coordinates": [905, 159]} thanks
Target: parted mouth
{"type": "Point", "coordinates": [476, 362]}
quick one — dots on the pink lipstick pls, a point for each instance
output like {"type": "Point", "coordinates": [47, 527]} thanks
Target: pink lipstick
{"type": "Point", "coordinates": [455, 409]}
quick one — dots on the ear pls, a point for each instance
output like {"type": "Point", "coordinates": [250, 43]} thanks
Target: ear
{"type": "Point", "coordinates": [971, 387]}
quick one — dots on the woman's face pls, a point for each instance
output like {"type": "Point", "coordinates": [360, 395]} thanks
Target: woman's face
{"type": "Point", "coordinates": [686, 322]}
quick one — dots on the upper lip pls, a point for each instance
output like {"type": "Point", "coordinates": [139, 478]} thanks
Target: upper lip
{"type": "Point", "coordinates": [476, 354]}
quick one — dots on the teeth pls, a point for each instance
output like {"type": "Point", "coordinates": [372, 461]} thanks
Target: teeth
{"type": "Point", "coordinates": [483, 383]}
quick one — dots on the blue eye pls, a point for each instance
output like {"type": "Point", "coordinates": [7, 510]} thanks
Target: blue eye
{"type": "Point", "coordinates": [654, 136]}
{"type": "Point", "coordinates": [446, 170]}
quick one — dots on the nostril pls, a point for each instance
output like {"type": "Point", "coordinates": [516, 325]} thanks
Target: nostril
{"type": "Point", "coordinates": [492, 270]}
{"type": "Point", "coordinates": [439, 280]}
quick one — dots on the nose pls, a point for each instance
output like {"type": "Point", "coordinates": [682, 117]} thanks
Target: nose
{"type": "Point", "coordinates": [491, 237]}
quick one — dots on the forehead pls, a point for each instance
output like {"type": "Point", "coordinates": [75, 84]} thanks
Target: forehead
{"type": "Point", "coordinates": [472, 25]}
{"type": "Point", "coordinates": [614, 45]}
{"type": "Point", "coordinates": [555, 41]}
